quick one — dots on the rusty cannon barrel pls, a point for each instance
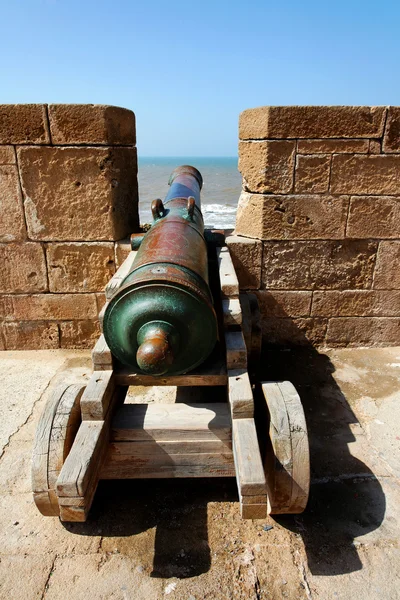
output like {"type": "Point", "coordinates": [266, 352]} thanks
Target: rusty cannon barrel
{"type": "Point", "coordinates": [161, 320]}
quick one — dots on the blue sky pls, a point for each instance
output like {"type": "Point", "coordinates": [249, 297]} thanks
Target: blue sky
{"type": "Point", "coordinates": [187, 69]}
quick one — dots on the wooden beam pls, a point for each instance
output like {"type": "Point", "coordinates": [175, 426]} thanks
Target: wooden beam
{"type": "Point", "coordinates": [101, 355]}
{"type": "Point", "coordinates": [97, 395]}
{"type": "Point", "coordinates": [249, 468]}
{"type": "Point", "coordinates": [115, 282]}
{"type": "Point", "coordinates": [236, 351]}
{"type": "Point", "coordinates": [240, 394]}
{"type": "Point", "coordinates": [228, 279]}
{"type": "Point", "coordinates": [232, 312]}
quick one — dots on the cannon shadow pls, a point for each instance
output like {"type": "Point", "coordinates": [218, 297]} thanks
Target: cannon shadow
{"type": "Point", "coordinates": [346, 498]}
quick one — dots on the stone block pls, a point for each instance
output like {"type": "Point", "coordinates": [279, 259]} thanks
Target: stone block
{"type": "Point", "coordinates": [79, 334]}
{"type": "Point", "coordinates": [273, 217]}
{"type": "Point", "coordinates": [371, 174]}
{"type": "Point", "coordinates": [374, 146]}
{"type": "Point", "coordinates": [281, 122]}
{"type": "Point", "coordinates": [122, 249]}
{"type": "Point", "coordinates": [31, 335]}
{"type": "Point", "coordinates": [331, 146]}
{"type": "Point", "coordinates": [25, 577]}
{"type": "Point", "coordinates": [358, 303]}
{"type": "Point", "coordinates": [278, 303]}
{"type": "Point", "coordinates": [267, 166]}
{"type": "Point", "coordinates": [79, 193]}
{"type": "Point", "coordinates": [22, 268]}
{"type": "Point", "coordinates": [312, 174]}
{"type": "Point", "coordinates": [54, 307]}
{"type": "Point", "coordinates": [247, 259]}
{"type": "Point", "coordinates": [7, 155]}
{"type": "Point", "coordinates": [391, 140]}
{"type": "Point", "coordinates": [2, 342]}
{"type": "Point", "coordinates": [387, 272]}
{"type": "Point", "coordinates": [6, 307]}
{"type": "Point", "coordinates": [356, 331]}
{"type": "Point", "coordinates": [374, 217]}
{"type": "Point", "coordinates": [80, 267]}
{"type": "Point", "coordinates": [23, 124]}
{"type": "Point", "coordinates": [312, 265]}
{"type": "Point", "coordinates": [12, 224]}
{"type": "Point", "coordinates": [294, 332]}
{"type": "Point", "coordinates": [91, 124]}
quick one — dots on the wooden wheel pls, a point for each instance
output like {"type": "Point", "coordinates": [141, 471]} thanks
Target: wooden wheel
{"type": "Point", "coordinates": [287, 460]}
{"type": "Point", "coordinates": [55, 434]}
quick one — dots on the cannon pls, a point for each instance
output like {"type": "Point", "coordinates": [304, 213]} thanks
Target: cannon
{"type": "Point", "coordinates": [161, 319]}
{"type": "Point", "coordinates": [174, 316]}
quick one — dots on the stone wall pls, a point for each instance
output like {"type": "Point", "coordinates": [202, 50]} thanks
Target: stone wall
{"type": "Point", "coordinates": [68, 193]}
{"type": "Point", "coordinates": [318, 223]}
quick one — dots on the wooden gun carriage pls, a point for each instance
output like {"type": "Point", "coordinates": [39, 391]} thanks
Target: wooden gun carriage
{"type": "Point", "coordinates": [89, 433]}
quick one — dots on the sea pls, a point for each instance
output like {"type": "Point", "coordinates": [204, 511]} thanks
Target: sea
{"type": "Point", "coordinates": [219, 196]}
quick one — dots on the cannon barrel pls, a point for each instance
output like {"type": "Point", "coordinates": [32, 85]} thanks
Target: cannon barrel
{"type": "Point", "coordinates": [161, 320]}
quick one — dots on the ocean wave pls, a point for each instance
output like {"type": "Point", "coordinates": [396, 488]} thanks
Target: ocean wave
{"type": "Point", "coordinates": [218, 209]}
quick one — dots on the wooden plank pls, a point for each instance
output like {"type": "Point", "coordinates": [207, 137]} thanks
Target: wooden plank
{"type": "Point", "coordinates": [172, 422]}
{"type": "Point", "coordinates": [240, 394]}
{"type": "Point", "coordinates": [205, 375]}
{"type": "Point", "coordinates": [254, 499]}
{"type": "Point", "coordinates": [168, 472]}
{"type": "Point", "coordinates": [101, 315]}
{"type": "Point", "coordinates": [253, 511]}
{"type": "Point", "coordinates": [97, 395]}
{"type": "Point", "coordinates": [101, 355]}
{"type": "Point", "coordinates": [249, 468]}
{"type": "Point", "coordinates": [232, 312]}
{"type": "Point", "coordinates": [84, 459]}
{"type": "Point", "coordinates": [236, 351]}
{"type": "Point", "coordinates": [169, 460]}
{"type": "Point", "coordinates": [115, 282]}
{"type": "Point", "coordinates": [228, 279]}
{"type": "Point", "coordinates": [152, 447]}
{"type": "Point", "coordinates": [73, 513]}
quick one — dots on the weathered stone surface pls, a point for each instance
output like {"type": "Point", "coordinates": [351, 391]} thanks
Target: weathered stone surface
{"type": "Point", "coordinates": [359, 303]}
{"type": "Point", "coordinates": [282, 122]}
{"type": "Point", "coordinates": [374, 146]}
{"type": "Point", "coordinates": [80, 267]}
{"type": "Point", "coordinates": [247, 259]}
{"type": "Point", "coordinates": [79, 193]}
{"type": "Point", "coordinates": [79, 334]}
{"type": "Point", "coordinates": [278, 303]}
{"type": "Point", "coordinates": [297, 332]}
{"type": "Point", "coordinates": [312, 174]}
{"type": "Point", "coordinates": [33, 573]}
{"type": "Point", "coordinates": [7, 155]}
{"type": "Point", "coordinates": [267, 166]}
{"type": "Point", "coordinates": [313, 265]}
{"type": "Point", "coordinates": [117, 577]}
{"type": "Point", "coordinates": [91, 124]}
{"type": "Point", "coordinates": [391, 140]}
{"type": "Point", "coordinates": [23, 124]}
{"type": "Point", "coordinates": [122, 249]}
{"type": "Point", "coordinates": [291, 217]}
{"type": "Point", "coordinates": [371, 174]}
{"type": "Point", "coordinates": [355, 331]}
{"type": "Point", "coordinates": [22, 268]}
{"type": "Point", "coordinates": [54, 307]}
{"type": "Point", "coordinates": [387, 272]}
{"type": "Point", "coordinates": [12, 225]}
{"type": "Point", "coordinates": [30, 335]}
{"type": "Point", "coordinates": [331, 146]}
{"type": "Point", "coordinates": [2, 342]}
{"type": "Point", "coordinates": [6, 307]}
{"type": "Point", "coordinates": [374, 217]}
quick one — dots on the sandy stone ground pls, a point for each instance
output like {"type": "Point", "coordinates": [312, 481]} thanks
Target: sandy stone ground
{"type": "Point", "coordinates": [184, 539]}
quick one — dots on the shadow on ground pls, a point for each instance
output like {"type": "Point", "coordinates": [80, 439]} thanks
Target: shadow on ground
{"type": "Point", "coordinates": [346, 499]}
{"type": "Point", "coordinates": [176, 508]}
